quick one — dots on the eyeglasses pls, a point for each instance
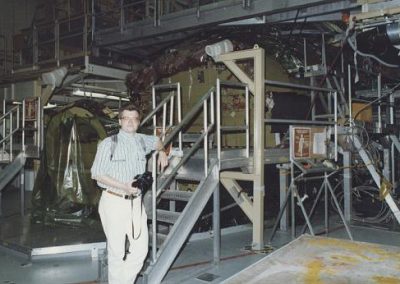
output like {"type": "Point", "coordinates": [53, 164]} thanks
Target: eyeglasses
{"type": "Point", "coordinates": [130, 118]}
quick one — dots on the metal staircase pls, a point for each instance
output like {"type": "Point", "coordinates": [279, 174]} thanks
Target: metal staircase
{"type": "Point", "coordinates": [21, 139]}
{"type": "Point", "coordinates": [187, 164]}
{"type": "Point", "coordinates": [171, 227]}
{"type": "Point", "coordinates": [183, 223]}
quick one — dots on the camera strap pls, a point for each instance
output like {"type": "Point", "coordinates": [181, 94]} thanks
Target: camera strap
{"type": "Point", "coordinates": [140, 226]}
{"type": "Point", "coordinates": [114, 140]}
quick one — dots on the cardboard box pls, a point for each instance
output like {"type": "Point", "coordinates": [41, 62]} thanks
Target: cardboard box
{"type": "Point", "coordinates": [364, 115]}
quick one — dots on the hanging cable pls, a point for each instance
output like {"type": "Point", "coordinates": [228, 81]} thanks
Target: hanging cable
{"type": "Point", "coordinates": [377, 99]}
{"type": "Point", "coordinates": [358, 52]}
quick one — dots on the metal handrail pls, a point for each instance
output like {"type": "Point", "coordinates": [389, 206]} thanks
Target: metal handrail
{"type": "Point", "coordinates": [8, 112]}
{"type": "Point", "coordinates": [53, 43]}
{"type": "Point", "coordinates": [328, 91]}
{"type": "Point", "coordinates": [220, 128]}
{"type": "Point", "coordinates": [8, 137]}
{"type": "Point", "coordinates": [207, 128]}
{"type": "Point", "coordinates": [155, 110]}
{"type": "Point", "coordinates": [155, 9]}
{"type": "Point", "coordinates": [3, 55]}
{"type": "Point", "coordinates": [50, 24]}
{"type": "Point", "coordinates": [14, 126]}
{"type": "Point", "coordinates": [190, 115]}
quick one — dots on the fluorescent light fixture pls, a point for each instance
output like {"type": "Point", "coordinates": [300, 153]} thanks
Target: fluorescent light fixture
{"type": "Point", "coordinates": [49, 105]}
{"type": "Point", "coordinates": [97, 95]}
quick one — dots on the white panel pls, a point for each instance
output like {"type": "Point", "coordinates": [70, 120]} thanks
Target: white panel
{"type": "Point", "coordinates": [23, 89]}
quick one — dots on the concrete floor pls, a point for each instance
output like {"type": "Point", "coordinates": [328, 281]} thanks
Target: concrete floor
{"type": "Point", "coordinates": [313, 259]}
{"type": "Point", "coordinates": [193, 265]}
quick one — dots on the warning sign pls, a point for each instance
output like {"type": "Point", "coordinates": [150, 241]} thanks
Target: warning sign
{"type": "Point", "coordinates": [31, 105]}
{"type": "Point", "coordinates": [302, 142]}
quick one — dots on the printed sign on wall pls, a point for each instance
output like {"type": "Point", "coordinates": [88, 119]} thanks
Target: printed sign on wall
{"type": "Point", "coordinates": [302, 142]}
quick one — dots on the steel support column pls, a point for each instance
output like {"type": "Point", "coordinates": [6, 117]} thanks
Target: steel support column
{"type": "Point", "coordinates": [284, 172]}
{"type": "Point", "coordinates": [347, 185]}
{"type": "Point", "coordinates": [257, 87]}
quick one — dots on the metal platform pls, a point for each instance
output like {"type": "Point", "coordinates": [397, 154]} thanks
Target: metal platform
{"type": "Point", "coordinates": [236, 157]}
{"type": "Point", "coordinates": [20, 234]}
{"type": "Point", "coordinates": [325, 260]}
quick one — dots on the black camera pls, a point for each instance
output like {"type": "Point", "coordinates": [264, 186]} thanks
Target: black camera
{"type": "Point", "coordinates": [143, 182]}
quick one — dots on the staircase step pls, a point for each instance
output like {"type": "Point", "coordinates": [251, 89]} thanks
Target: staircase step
{"type": "Point", "coordinates": [324, 116]}
{"type": "Point", "coordinates": [167, 216]}
{"type": "Point", "coordinates": [11, 170]}
{"type": "Point", "coordinates": [195, 176]}
{"type": "Point", "coordinates": [183, 226]}
{"type": "Point", "coordinates": [160, 238]}
{"type": "Point", "coordinates": [177, 195]}
{"type": "Point", "coordinates": [192, 170]}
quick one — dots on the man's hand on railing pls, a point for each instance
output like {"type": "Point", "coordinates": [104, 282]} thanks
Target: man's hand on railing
{"type": "Point", "coordinates": [162, 160]}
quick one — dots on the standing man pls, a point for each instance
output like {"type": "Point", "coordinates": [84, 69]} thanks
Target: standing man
{"type": "Point", "coordinates": [118, 160]}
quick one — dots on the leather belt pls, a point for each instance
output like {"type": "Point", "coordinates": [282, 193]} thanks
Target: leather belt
{"type": "Point", "coordinates": [124, 196]}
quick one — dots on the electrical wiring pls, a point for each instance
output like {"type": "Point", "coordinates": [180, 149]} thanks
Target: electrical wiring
{"type": "Point", "coordinates": [358, 52]}
{"type": "Point", "coordinates": [377, 99]}
{"type": "Point", "coordinates": [383, 216]}
{"type": "Point", "coordinates": [363, 134]}
{"type": "Point", "coordinates": [365, 141]}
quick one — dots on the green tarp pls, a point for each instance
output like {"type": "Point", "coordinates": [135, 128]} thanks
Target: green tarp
{"type": "Point", "coordinates": [64, 191]}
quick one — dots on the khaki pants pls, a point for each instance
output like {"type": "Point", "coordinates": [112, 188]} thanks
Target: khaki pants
{"type": "Point", "coordinates": [121, 217]}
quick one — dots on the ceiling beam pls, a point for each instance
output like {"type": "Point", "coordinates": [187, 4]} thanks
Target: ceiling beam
{"type": "Point", "coordinates": [316, 13]}
{"type": "Point", "coordinates": [208, 15]}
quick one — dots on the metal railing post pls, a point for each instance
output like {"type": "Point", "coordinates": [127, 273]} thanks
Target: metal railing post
{"type": "Point", "coordinates": [85, 35]}
{"type": "Point", "coordinates": [35, 46]}
{"type": "Point", "coordinates": [219, 121]}
{"type": "Point", "coordinates": [154, 209]}
{"type": "Point", "coordinates": [164, 121]}
{"type": "Point", "coordinates": [336, 126]}
{"type": "Point", "coordinates": [179, 115]}
{"type": "Point", "coordinates": [57, 42]}
{"type": "Point", "coordinates": [212, 114]}
{"type": "Point", "coordinates": [12, 54]}
{"type": "Point", "coordinates": [154, 106]}
{"type": "Point", "coordinates": [11, 137]}
{"type": "Point", "coordinates": [171, 112]}
{"type": "Point", "coordinates": [156, 13]}
{"type": "Point", "coordinates": [40, 125]}
{"type": "Point", "coordinates": [247, 122]}
{"type": "Point", "coordinates": [4, 130]}
{"type": "Point", "coordinates": [205, 142]}
{"type": "Point", "coordinates": [93, 27]}
{"type": "Point", "coordinates": [379, 86]}
{"type": "Point", "coordinates": [122, 17]}
{"type": "Point", "coordinates": [23, 125]}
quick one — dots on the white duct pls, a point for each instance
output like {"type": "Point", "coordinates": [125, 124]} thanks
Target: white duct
{"type": "Point", "coordinates": [54, 78]}
{"type": "Point", "coordinates": [219, 48]}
